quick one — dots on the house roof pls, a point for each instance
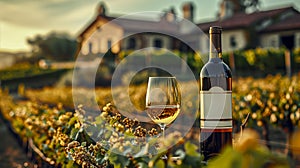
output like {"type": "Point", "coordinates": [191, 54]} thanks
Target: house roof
{"type": "Point", "coordinates": [91, 24]}
{"type": "Point", "coordinates": [243, 20]}
{"type": "Point", "coordinates": [147, 25]}
{"type": "Point", "coordinates": [290, 23]}
{"type": "Point", "coordinates": [237, 21]}
{"type": "Point", "coordinates": [135, 25]}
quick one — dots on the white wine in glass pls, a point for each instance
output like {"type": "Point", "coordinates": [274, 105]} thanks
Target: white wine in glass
{"type": "Point", "coordinates": [163, 100]}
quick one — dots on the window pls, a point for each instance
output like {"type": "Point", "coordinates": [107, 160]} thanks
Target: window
{"type": "Point", "coordinates": [131, 43]}
{"type": "Point", "coordinates": [288, 41]}
{"type": "Point", "coordinates": [158, 43]}
{"type": "Point", "coordinates": [183, 47]}
{"type": "Point", "coordinates": [99, 46]}
{"type": "Point", "coordinates": [232, 41]}
{"type": "Point", "coordinates": [99, 29]}
{"type": "Point", "coordinates": [90, 47]}
{"type": "Point", "coordinates": [108, 44]}
{"type": "Point", "coordinates": [265, 23]}
{"type": "Point", "coordinates": [273, 43]}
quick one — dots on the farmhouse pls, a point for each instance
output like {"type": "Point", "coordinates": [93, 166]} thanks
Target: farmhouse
{"type": "Point", "coordinates": [123, 33]}
{"type": "Point", "coordinates": [267, 28]}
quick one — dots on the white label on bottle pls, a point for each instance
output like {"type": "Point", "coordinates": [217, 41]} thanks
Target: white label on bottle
{"type": "Point", "coordinates": [215, 108]}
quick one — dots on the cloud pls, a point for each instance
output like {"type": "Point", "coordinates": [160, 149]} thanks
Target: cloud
{"type": "Point", "coordinates": [50, 14]}
{"type": "Point", "coordinates": [71, 15]}
{"type": "Point", "coordinates": [67, 14]}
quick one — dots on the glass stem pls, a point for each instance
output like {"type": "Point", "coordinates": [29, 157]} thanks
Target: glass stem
{"type": "Point", "coordinates": [163, 127]}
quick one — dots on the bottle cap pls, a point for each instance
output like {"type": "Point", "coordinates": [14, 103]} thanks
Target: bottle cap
{"type": "Point", "coordinates": [215, 30]}
{"type": "Point", "coordinates": [215, 39]}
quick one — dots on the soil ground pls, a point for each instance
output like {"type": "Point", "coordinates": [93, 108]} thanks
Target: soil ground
{"type": "Point", "coordinates": [11, 153]}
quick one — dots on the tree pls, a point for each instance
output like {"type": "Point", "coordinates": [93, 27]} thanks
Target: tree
{"type": "Point", "coordinates": [249, 5]}
{"type": "Point", "coordinates": [54, 46]}
{"type": "Point", "coordinates": [244, 5]}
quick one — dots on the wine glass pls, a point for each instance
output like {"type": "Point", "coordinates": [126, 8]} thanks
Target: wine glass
{"type": "Point", "coordinates": [163, 99]}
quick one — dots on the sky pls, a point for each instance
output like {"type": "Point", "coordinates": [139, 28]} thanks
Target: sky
{"type": "Point", "coordinates": [23, 19]}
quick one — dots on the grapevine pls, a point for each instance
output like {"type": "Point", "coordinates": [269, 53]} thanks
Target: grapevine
{"type": "Point", "coordinates": [68, 138]}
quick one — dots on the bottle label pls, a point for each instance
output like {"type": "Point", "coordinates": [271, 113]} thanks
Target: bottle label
{"type": "Point", "coordinates": [215, 109]}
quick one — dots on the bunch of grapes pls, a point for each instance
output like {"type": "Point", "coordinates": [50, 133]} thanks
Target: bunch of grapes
{"type": "Point", "coordinates": [110, 139]}
{"type": "Point", "coordinates": [275, 98]}
{"type": "Point", "coordinates": [47, 127]}
{"type": "Point", "coordinates": [273, 104]}
{"type": "Point", "coordinates": [110, 134]}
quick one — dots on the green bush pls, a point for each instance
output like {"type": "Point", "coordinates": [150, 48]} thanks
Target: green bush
{"type": "Point", "coordinates": [22, 70]}
{"type": "Point", "coordinates": [259, 60]}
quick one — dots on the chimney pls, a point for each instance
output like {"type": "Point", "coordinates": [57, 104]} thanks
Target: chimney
{"type": "Point", "coordinates": [101, 9]}
{"type": "Point", "coordinates": [188, 11]}
{"type": "Point", "coordinates": [169, 15]}
{"type": "Point", "coordinates": [226, 9]}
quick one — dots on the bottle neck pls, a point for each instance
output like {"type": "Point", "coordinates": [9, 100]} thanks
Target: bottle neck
{"type": "Point", "coordinates": [215, 50]}
{"type": "Point", "coordinates": [215, 55]}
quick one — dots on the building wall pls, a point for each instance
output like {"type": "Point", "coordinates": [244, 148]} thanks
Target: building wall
{"type": "Point", "coordinates": [234, 40]}
{"type": "Point", "coordinates": [149, 41]}
{"type": "Point", "coordinates": [166, 41]}
{"type": "Point", "coordinates": [270, 40]}
{"type": "Point", "coordinates": [231, 40]}
{"type": "Point", "coordinates": [99, 41]}
{"type": "Point", "coordinates": [297, 39]}
{"type": "Point", "coordinates": [194, 41]}
{"type": "Point", "coordinates": [204, 43]}
{"type": "Point", "coordinates": [238, 37]}
{"type": "Point", "coordinates": [273, 40]}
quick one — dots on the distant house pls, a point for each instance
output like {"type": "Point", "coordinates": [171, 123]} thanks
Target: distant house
{"type": "Point", "coordinates": [269, 28]}
{"type": "Point", "coordinates": [286, 32]}
{"type": "Point", "coordinates": [123, 34]}
{"type": "Point", "coordinates": [258, 29]}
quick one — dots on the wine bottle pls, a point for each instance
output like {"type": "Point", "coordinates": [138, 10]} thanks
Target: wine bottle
{"type": "Point", "coordinates": [215, 100]}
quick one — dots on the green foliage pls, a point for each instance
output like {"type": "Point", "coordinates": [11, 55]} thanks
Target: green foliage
{"type": "Point", "coordinates": [266, 61]}
{"type": "Point", "coordinates": [22, 71]}
{"type": "Point", "coordinates": [247, 152]}
{"type": "Point", "coordinates": [61, 137]}
{"type": "Point", "coordinates": [47, 127]}
{"type": "Point", "coordinates": [248, 5]}
{"type": "Point", "coordinates": [193, 60]}
{"type": "Point", "coordinates": [274, 99]}
{"type": "Point", "coordinates": [54, 46]}
{"type": "Point", "coordinates": [258, 60]}
{"type": "Point", "coordinates": [257, 157]}
{"type": "Point", "coordinates": [24, 75]}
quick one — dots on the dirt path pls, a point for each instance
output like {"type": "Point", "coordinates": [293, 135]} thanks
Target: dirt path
{"type": "Point", "coordinates": [11, 154]}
